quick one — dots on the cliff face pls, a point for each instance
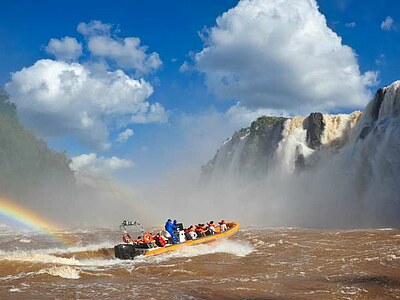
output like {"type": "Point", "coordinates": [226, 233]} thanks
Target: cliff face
{"type": "Point", "coordinates": [249, 152]}
{"type": "Point", "coordinates": [276, 142]}
{"type": "Point", "coordinates": [322, 170]}
{"type": "Point", "coordinates": [29, 170]}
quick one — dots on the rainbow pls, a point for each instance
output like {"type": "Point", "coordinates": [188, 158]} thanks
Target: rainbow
{"type": "Point", "coordinates": [28, 218]}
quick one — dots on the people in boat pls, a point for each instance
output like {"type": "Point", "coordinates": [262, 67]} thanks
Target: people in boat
{"type": "Point", "coordinates": [223, 226]}
{"type": "Point", "coordinates": [204, 229]}
{"type": "Point", "coordinates": [190, 233]}
{"type": "Point", "coordinates": [193, 235]}
{"type": "Point", "coordinates": [176, 230]}
{"type": "Point", "coordinates": [148, 239]}
{"type": "Point", "coordinates": [127, 238]}
{"type": "Point", "coordinates": [170, 227]}
{"type": "Point", "coordinates": [211, 228]}
{"type": "Point", "coordinates": [167, 236]}
{"type": "Point", "coordinates": [200, 230]}
{"type": "Point", "coordinates": [139, 240]}
{"type": "Point", "coordinates": [160, 241]}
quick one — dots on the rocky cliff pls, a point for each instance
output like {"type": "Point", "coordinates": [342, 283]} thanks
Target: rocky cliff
{"type": "Point", "coordinates": [277, 142]}
{"type": "Point", "coordinates": [320, 170]}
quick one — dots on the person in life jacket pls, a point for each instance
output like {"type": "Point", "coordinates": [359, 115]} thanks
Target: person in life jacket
{"type": "Point", "coordinates": [160, 242]}
{"type": "Point", "coordinates": [200, 230]}
{"type": "Point", "coordinates": [170, 228]}
{"type": "Point", "coordinates": [204, 229]}
{"type": "Point", "coordinates": [223, 226]}
{"type": "Point", "coordinates": [211, 228]}
{"type": "Point", "coordinates": [139, 240]}
{"type": "Point", "coordinates": [190, 233]}
{"type": "Point", "coordinates": [127, 238]}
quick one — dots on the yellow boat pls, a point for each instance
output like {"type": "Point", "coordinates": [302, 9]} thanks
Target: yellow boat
{"type": "Point", "coordinates": [129, 249]}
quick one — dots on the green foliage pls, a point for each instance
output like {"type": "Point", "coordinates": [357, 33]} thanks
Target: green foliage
{"type": "Point", "coordinates": [26, 163]}
{"type": "Point", "coordinates": [265, 121]}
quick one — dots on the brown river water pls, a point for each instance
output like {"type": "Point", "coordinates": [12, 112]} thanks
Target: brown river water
{"type": "Point", "coordinates": [257, 263]}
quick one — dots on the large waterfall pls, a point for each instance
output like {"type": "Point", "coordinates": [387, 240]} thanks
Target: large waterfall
{"type": "Point", "coordinates": [321, 170]}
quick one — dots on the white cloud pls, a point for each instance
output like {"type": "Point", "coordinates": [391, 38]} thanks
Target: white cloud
{"type": "Point", "coordinates": [66, 48]}
{"type": "Point", "coordinates": [150, 113]}
{"type": "Point", "coordinates": [127, 53]}
{"type": "Point", "coordinates": [94, 27]}
{"type": "Point", "coordinates": [124, 135]}
{"type": "Point", "coordinates": [281, 55]}
{"type": "Point", "coordinates": [91, 164]}
{"type": "Point", "coordinates": [185, 67]}
{"type": "Point", "coordinates": [370, 78]}
{"type": "Point", "coordinates": [387, 24]}
{"type": "Point", "coordinates": [242, 116]}
{"type": "Point", "coordinates": [350, 24]}
{"type": "Point", "coordinates": [58, 98]}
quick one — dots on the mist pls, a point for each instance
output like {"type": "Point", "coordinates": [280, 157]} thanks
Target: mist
{"type": "Point", "coordinates": [346, 177]}
{"type": "Point", "coordinates": [349, 181]}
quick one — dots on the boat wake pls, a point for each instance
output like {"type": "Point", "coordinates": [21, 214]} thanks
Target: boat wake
{"type": "Point", "coordinates": [228, 247]}
{"type": "Point", "coordinates": [94, 260]}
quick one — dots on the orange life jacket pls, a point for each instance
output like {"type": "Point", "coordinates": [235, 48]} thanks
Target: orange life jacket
{"type": "Point", "coordinates": [189, 230]}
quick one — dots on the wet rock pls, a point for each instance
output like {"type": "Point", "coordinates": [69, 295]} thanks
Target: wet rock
{"type": "Point", "coordinates": [315, 125]}
{"type": "Point", "coordinates": [379, 96]}
{"type": "Point", "coordinates": [364, 132]}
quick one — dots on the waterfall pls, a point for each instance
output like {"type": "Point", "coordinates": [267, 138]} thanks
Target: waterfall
{"type": "Point", "coordinates": [324, 169]}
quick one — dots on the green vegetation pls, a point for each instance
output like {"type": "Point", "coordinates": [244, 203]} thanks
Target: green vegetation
{"type": "Point", "coordinates": [265, 121]}
{"type": "Point", "coordinates": [28, 168]}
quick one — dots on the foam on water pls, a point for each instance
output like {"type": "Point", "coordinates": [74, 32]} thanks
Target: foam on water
{"type": "Point", "coordinates": [25, 241]}
{"type": "Point", "coordinates": [47, 256]}
{"type": "Point", "coordinates": [235, 248]}
{"type": "Point", "coordinates": [63, 271]}
{"type": "Point", "coordinates": [71, 267]}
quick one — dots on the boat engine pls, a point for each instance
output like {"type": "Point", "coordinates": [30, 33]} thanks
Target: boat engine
{"type": "Point", "coordinates": [125, 251]}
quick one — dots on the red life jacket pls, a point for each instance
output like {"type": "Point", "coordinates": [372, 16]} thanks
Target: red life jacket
{"type": "Point", "coordinates": [160, 240]}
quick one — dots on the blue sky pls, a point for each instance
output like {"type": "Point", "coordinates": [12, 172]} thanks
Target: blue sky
{"type": "Point", "coordinates": [207, 77]}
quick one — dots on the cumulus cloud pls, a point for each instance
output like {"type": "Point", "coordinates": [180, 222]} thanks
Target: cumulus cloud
{"type": "Point", "coordinates": [127, 53]}
{"type": "Point", "coordinates": [94, 27]}
{"type": "Point", "coordinates": [387, 24]}
{"type": "Point", "coordinates": [58, 98]}
{"type": "Point", "coordinates": [91, 164]}
{"type": "Point", "coordinates": [150, 113]}
{"type": "Point", "coordinates": [281, 55]}
{"type": "Point", "coordinates": [66, 48]}
{"type": "Point", "coordinates": [124, 136]}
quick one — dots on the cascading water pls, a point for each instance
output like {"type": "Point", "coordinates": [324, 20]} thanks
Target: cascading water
{"type": "Point", "coordinates": [323, 170]}
{"type": "Point", "coordinates": [374, 155]}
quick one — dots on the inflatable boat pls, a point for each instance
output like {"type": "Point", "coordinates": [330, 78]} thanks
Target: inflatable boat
{"type": "Point", "coordinates": [147, 246]}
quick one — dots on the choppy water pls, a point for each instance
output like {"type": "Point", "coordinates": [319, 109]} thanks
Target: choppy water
{"type": "Point", "coordinates": [258, 263]}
